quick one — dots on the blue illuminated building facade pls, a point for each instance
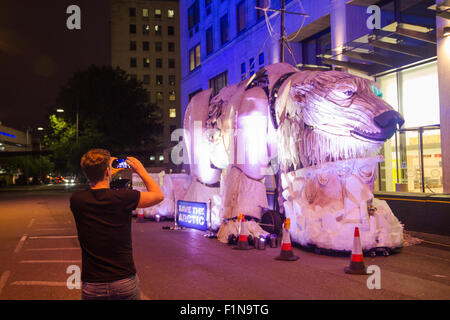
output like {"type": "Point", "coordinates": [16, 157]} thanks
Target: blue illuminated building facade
{"type": "Point", "coordinates": [400, 44]}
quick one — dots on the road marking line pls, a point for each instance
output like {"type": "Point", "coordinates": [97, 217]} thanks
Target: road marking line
{"type": "Point", "coordinates": [437, 243]}
{"type": "Point", "coordinates": [52, 237]}
{"type": "Point", "coordinates": [50, 261]}
{"type": "Point", "coordinates": [30, 224]}
{"type": "Point", "coordinates": [53, 249]}
{"type": "Point", "coordinates": [39, 283]}
{"type": "Point", "coordinates": [20, 244]}
{"type": "Point", "coordinates": [3, 279]}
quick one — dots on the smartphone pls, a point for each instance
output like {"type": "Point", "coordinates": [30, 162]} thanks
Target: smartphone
{"type": "Point", "coordinates": [120, 163]}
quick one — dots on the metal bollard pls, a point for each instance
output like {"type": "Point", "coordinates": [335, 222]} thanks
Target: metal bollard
{"type": "Point", "coordinates": [261, 243]}
{"type": "Point", "coordinates": [273, 241]}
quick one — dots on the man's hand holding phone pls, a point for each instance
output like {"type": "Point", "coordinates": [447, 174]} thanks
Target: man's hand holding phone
{"type": "Point", "coordinates": [154, 194]}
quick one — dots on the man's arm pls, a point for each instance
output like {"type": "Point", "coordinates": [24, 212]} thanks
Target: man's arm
{"type": "Point", "coordinates": [154, 194]}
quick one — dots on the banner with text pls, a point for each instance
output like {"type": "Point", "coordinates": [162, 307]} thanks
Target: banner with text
{"type": "Point", "coordinates": [192, 214]}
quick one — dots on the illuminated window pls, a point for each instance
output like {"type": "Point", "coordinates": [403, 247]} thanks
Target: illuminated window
{"type": "Point", "coordinates": [157, 13]}
{"type": "Point", "coordinates": [145, 12]}
{"type": "Point", "coordinates": [170, 14]}
{"type": "Point", "coordinates": [159, 96]}
{"type": "Point", "coordinates": [145, 29]}
{"type": "Point", "coordinates": [194, 57]}
{"type": "Point", "coordinates": [218, 82]}
{"type": "Point", "coordinates": [146, 62]}
{"type": "Point", "coordinates": [157, 30]}
{"type": "Point", "coordinates": [161, 157]}
{"type": "Point", "coordinates": [172, 113]}
{"type": "Point", "coordinates": [152, 158]}
{"type": "Point", "coordinates": [172, 96]}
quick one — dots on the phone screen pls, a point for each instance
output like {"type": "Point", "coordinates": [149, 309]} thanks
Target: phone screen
{"type": "Point", "coordinates": [120, 163]}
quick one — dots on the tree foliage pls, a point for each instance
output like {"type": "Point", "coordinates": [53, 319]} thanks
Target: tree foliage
{"type": "Point", "coordinates": [113, 113]}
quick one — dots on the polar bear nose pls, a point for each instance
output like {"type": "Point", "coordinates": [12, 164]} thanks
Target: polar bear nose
{"type": "Point", "coordinates": [389, 119]}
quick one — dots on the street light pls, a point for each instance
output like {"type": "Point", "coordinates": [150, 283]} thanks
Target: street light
{"type": "Point", "coordinates": [60, 110]}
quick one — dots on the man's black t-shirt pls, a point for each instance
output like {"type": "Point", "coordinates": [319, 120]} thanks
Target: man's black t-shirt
{"type": "Point", "coordinates": [103, 219]}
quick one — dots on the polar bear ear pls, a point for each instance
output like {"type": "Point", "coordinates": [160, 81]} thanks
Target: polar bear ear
{"type": "Point", "coordinates": [281, 102]}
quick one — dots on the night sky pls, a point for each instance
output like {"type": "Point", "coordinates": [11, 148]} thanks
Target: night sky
{"type": "Point", "coordinates": [38, 54]}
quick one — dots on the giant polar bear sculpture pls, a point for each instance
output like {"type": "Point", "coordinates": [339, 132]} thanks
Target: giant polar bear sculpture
{"type": "Point", "coordinates": [323, 129]}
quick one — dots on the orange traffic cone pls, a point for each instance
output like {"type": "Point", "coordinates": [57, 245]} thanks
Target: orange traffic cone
{"type": "Point", "coordinates": [243, 235]}
{"type": "Point", "coordinates": [286, 247]}
{"type": "Point", "coordinates": [357, 261]}
{"type": "Point", "coordinates": [140, 216]}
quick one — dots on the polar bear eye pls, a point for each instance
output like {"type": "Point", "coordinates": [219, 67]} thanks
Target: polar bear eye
{"type": "Point", "coordinates": [349, 93]}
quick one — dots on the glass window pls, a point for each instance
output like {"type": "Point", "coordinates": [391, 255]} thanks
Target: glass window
{"type": "Point", "coordinates": [171, 80]}
{"type": "Point", "coordinates": [146, 79]}
{"type": "Point", "coordinates": [171, 46]}
{"type": "Point", "coordinates": [260, 4]}
{"type": "Point", "coordinates": [133, 62]}
{"type": "Point", "coordinates": [159, 79]}
{"type": "Point", "coordinates": [240, 16]}
{"type": "Point", "coordinates": [146, 62]}
{"type": "Point", "coordinates": [157, 13]}
{"type": "Point", "coordinates": [157, 30]}
{"type": "Point", "coordinates": [209, 41]}
{"type": "Point", "coordinates": [261, 58]}
{"type": "Point", "coordinates": [218, 82]}
{"type": "Point", "coordinates": [224, 29]}
{"type": "Point", "coordinates": [172, 96]}
{"type": "Point", "coordinates": [133, 45]}
{"type": "Point", "coordinates": [145, 12]}
{"type": "Point", "coordinates": [243, 67]}
{"type": "Point", "coordinates": [145, 45]}
{"type": "Point", "coordinates": [159, 96]}
{"type": "Point", "coordinates": [170, 30]}
{"type": "Point", "coordinates": [414, 93]}
{"type": "Point", "coordinates": [159, 63]}
{"type": "Point", "coordinates": [133, 77]}
{"type": "Point", "coordinates": [158, 46]}
{"type": "Point", "coordinates": [172, 113]}
{"type": "Point", "coordinates": [171, 63]}
{"type": "Point", "coordinates": [161, 157]}
{"type": "Point", "coordinates": [132, 28]}
{"type": "Point", "coordinates": [194, 57]}
{"type": "Point", "coordinates": [170, 13]}
{"type": "Point", "coordinates": [193, 15]}
{"type": "Point", "coordinates": [132, 12]}
{"type": "Point", "coordinates": [145, 29]}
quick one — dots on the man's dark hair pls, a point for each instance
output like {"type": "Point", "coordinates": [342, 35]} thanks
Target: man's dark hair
{"type": "Point", "coordinates": [94, 164]}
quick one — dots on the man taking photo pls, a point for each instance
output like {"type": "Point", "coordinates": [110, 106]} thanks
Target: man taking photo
{"type": "Point", "coordinates": [103, 220]}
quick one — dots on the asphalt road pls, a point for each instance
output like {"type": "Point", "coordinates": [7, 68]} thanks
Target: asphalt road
{"type": "Point", "coordinates": [38, 243]}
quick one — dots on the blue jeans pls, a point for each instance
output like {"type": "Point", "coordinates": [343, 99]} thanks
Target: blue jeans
{"type": "Point", "coordinates": [124, 289]}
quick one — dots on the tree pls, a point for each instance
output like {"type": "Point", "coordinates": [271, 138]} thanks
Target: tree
{"type": "Point", "coordinates": [113, 113]}
{"type": "Point", "coordinates": [113, 107]}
